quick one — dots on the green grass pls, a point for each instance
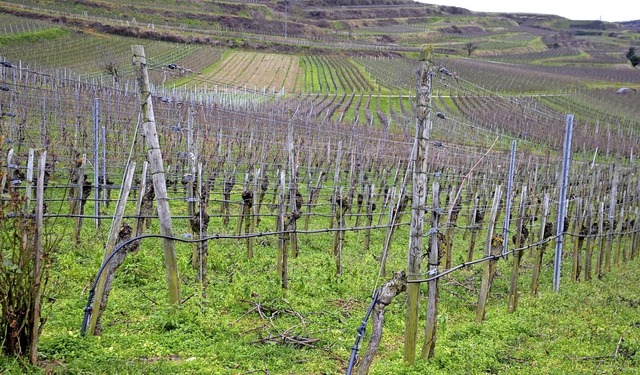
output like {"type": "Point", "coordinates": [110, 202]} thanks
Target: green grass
{"type": "Point", "coordinates": [33, 36]}
{"type": "Point", "coordinates": [570, 332]}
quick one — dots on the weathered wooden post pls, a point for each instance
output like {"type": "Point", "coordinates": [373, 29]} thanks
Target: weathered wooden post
{"type": "Point", "coordinates": [78, 198]}
{"type": "Point", "coordinates": [428, 349]}
{"type": "Point", "coordinates": [113, 236]}
{"type": "Point", "coordinates": [154, 156]}
{"type": "Point", "coordinates": [580, 231]}
{"type": "Point", "coordinates": [476, 220]}
{"type": "Point", "coordinates": [544, 234]}
{"type": "Point", "coordinates": [613, 199]}
{"type": "Point", "coordinates": [37, 260]}
{"type": "Point", "coordinates": [423, 127]}
{"type": "Point", "coordinates": [295, 199]}
{"type": "Point", "coordinates": [283, 238]}
{"type": "Point", "coordinates": [492, 246]}
{"type": "Point", "coordinates": [601, 242]}
{"type": "Point", "coordinates": [588, 252]}
{"type": "Point", "coordinates": [96, 161]}
{"type": "Point", "coordinates": [517, 256]}
{"type": "Point", "coordinates": [336, 179]}
{"type": "Point", "coordinates": [369, 192]}
{"type": "Point", "coordinates": [387, 292]}
{"type": "Point", "coordinates": [191, 174]}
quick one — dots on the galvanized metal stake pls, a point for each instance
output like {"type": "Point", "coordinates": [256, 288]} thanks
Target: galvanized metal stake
{"type": "Point", "coordinates": [562, 202]}
{"type": "Point", "coordinates": [96, 162]}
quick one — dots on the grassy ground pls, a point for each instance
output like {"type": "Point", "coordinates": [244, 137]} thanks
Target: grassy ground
{"type": "Point", "coordinates": [247, 324]}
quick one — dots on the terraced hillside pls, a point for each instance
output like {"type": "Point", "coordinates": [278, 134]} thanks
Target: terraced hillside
{"type": "Point", "coordinates": [288, 138]}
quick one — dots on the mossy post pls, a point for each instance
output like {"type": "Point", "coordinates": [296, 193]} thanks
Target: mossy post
{"type": "Point", "coordinates": [154, 156]}
{"type": "Point", "coordinates": [423, 127]}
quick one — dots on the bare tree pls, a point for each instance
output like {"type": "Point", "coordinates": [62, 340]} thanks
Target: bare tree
{"type": "Point", "coordinates": [471, 47]}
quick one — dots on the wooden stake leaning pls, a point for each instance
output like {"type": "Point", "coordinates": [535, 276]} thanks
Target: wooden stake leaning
{"type": "Point", "coordinates": [113, 236]}
{"type": "Point", "coordinates": [154, 156]}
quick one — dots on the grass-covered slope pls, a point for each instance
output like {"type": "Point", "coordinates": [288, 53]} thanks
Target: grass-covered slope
{"type": "Point", "coordinates": [247, 323]}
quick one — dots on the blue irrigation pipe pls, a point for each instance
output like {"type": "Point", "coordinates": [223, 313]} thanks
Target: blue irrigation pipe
{"type": "Point", "coordinates": [361, 331]}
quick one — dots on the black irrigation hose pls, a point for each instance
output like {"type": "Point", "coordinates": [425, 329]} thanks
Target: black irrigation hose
{"type": "Point", "coordinates": [88, 309]}
{"type": "Point", "coordinates": [481, 260]}
{"type": "Point", "coordinates": [361, 331]}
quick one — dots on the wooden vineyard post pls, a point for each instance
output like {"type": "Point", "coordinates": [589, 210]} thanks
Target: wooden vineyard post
{"type": "Point", "coordinates": [491, 247]}
{"type": "Point", "coordinates": [517, 256]}
{"type": "Point", "coordinates": [313, 197]}
{"type": "Point", "coordinates": [369, 191]}
{"type": "Point", "coordinates": [245, 205]}
{"type": "Point", "coordinates": [254, 212]}
{"type": "Point", "coordinates": [227, 188]}
{"type": "Point", "coordinates": [29, 188]}
{"type": "Point", "coordinates": [338, 235]}
{"type": "Point", "coordinates": [451, 221]}
{"type": "Point", "coordinates": [96, 161]}
{"type": "Point", "coordinates": [78, 199]}
{"type": "Point", "coordinates": [202, 220]}
{"type": "Point", "coordinates": [139, 223]}
{"type": "Point", "coordinates": [113, 236]}
{"type": "Point", "coordinates": [635, 237]}
{"type": "Point", "coordinates": [579, 232]}
{"type": "Point", "coordinates": [509, 201]}
{"type": "Point", "coordinates": [5, 176]}
{"type": "Point", "coordinates": [476, 220]}
{"type": "Point", "coordinates": [588, 251]}
{"type": "Point", "coordinates": [388, 233]}
{"type": "Point", "coordinates": [537, 263]}
{"type": "Point", "coordinates": [423, 127]}
{"type": "Point", "coordinates": [387, 292]}
{"type": "Point", "coordinates": [336, 179]}
{"type": "Point", "coordinates": [191, 175]}
{"type": "Point", "coordinates": [359, 196]}
{"type": "Point", "coordinates": [294, 200]}
{"type": "Point", "coordinates": [619, 254]}
{"type": "Point", "coordinates": [395, 217]}
{"type": "Point", "coordinates": [154, 156]}
{"type": "Point", "coordinates": [429, 346]}
{"type": "Point", "coordinates": [283, 254]}
{"type": "Point", "coordinates": [611, 228]}
{"type": "Point", "coordinates": [37, 260]}
{"type": "Point", "coordinates": [601, 242]}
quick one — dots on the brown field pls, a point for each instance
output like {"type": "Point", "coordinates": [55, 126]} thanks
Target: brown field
{"type": "Point", "coordinates": [257, 70]}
